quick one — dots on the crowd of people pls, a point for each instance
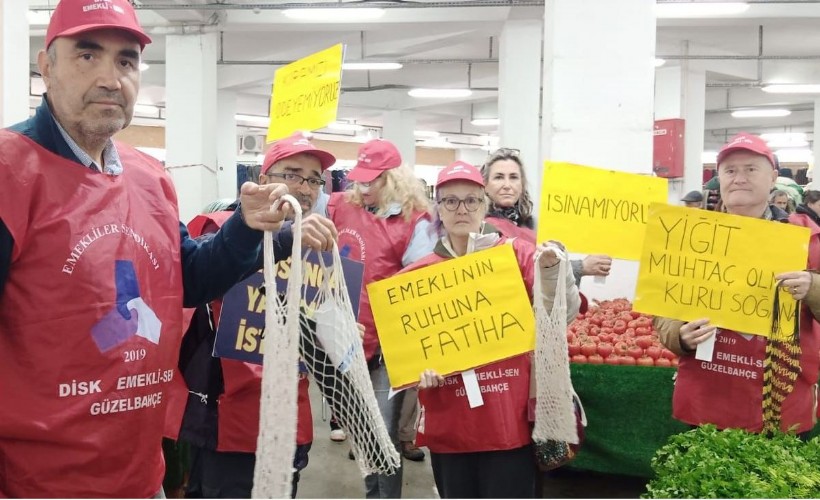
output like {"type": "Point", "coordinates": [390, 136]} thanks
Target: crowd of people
{"type": "Point", "coordinates": [96, 271]}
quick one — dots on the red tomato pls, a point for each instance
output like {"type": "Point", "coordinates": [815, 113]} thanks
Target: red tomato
{"type": "Point", "coordinates": [666, 353]}
{"type": "Point", "coordinates": [643, 342]}
{"type": "Point", "coordinates": [630, 332]}
{"type": "Point", "coordinates": [627, 360]}
{"type": "Point", "coordinates": [619, 327]}
{"type": "Point", "coordinates": [635, 351]}
{"type": "Point", "coordinates": [621, 348]}
{"type": "Point", "coordinates": [646, 361]}
{"type": "Point", "coordinates": [605, 349]}
{"type": "Point", "coordinates": [595, 359]}
{"type": "Point", "coordinates": [588, 349]}
{"type": "Point", "coordinates": [607, 323]}
{"type": "Point", "coordinates": [662, 362]}
{"type": "Point", "coordinates": [596, 319]}
{"type": "Point", "coordinates": [606, 337]}
{"type": "Point", "coordinates": [642, 330]}
{"type": "Point", "coordinates": [574, 348]}
{"type": "Point", "coordinates": [579, 358]}
{"type": "Point", "coordinates": [675, 362]}
{"type": "Point", "coordinates": [613, 360]}
{"type": "Point", "coordinates": [653, 352]}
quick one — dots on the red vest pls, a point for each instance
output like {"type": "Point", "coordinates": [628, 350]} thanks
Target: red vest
{"type": "Point", "coordinates": [379, 243]}
{"type": "Point", "coordinates": [510, 230]}
{"type": "Point", "coordinates": [447, 424]}
{"type": "Point", "coordinates": [728, 392]}
{"type": "Point", "coordinates": [238, 417]}
{"type": "Point", "coordinates": [90, 323]}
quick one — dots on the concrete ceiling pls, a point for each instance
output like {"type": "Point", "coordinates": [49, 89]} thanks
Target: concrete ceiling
{"type": "Point", "coordinates": [453, 43]}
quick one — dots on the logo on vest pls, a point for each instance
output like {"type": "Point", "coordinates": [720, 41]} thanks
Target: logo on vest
{"type": "Point", "coordinates": [130, 315]}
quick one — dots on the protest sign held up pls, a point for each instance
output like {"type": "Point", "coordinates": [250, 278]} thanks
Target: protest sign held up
{"type": "Point", "coordinates": [610, 206]}
{"type": "Point", "coordinates": [453, 316]}
{"type": "Point", "coordinates": [306, 93]}
{"type": "Point", "coordinates": [242, 319]}
{"type": "Point", "coordinates": [699, 263]}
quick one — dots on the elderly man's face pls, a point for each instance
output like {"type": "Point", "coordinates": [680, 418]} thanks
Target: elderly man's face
{"type": "Point", "coordinates": [745, 181]}
{"type": "Point", "coordinates": [301, 174]}
{"type": "Point", "coordinates": [781, 202]}
{"type": "Point", "coordinates": [92, 81]}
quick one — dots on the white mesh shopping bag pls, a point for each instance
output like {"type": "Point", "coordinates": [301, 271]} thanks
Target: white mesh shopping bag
{"type": "Point", "coordinates": [322, 331]}
{"type": "Point", "coordinates": [555, 417]}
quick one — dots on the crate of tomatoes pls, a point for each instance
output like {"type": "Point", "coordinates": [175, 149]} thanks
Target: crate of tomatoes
{"type": "Point", "coordinates": [610, 332]}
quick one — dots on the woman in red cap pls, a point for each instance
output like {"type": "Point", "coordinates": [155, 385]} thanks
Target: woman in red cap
{"type": "Point", "coordinates": [486, 451]}
{"type": "Point", "coordinates": [383, 221]}
{"type": "Point", "coordinates": [510, 209]}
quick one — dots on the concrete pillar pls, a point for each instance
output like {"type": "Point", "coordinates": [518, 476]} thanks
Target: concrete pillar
{"type": "Point", "coordinates": [399, 127]}
{"type": "Point", "coordinates": [226, 144]}
{"type": "Point", "coordinates": [598, 98]}
{"type": "Point", "coordinates": [519, 93]}
{"type": "Point", "coordinates": [14, 62]}
{"type": "Point", "coordinates": [815, 169]}
{"type": "Point", "coordinates": [681, 93]}
{"type": "Point", "coordinates": [190, 126]}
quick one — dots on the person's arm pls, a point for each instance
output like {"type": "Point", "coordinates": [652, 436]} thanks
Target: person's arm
{"type": "Point", "coordinates": [211, 266]}
{"type": "Point", "coordinates": [421, 243]}
{"type": "Point", "coordinates": [6, 247]}
{"type": "Point", "coordinates": [812, 298]}
{"type": "Point", "coordinates": [669, 334]}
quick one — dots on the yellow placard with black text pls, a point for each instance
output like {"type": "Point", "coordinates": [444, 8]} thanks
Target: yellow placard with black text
{"type": "Point", "coordinates": [452, 316]}
{"type": "Point", "coordinates": [704, 264]}
{"type": "Point", "coordinates": [306, 93]}
{"type": "Point", "coordinates": [592, 210]}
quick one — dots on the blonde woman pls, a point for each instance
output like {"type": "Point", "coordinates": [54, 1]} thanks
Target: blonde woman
{"type": "Point", "coordinates": [383, 220]}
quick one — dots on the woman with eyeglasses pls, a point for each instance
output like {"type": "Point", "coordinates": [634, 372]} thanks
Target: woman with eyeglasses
{"type": "Point", "coordinates": [383, 220]}
{"type": "Point", "coordinates": [486, 451]}
{"type": "Point", "coordinates": [510, 209]}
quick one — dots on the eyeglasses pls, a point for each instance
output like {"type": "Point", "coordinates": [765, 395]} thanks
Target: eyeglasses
{"type": "Point", "coordinates": [451, 203]}
{"type": "Point", "coordinates": [313, 182]}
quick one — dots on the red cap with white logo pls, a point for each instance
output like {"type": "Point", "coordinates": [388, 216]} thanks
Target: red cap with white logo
{"type": "Point", "coordinates": [746, 142]}
{"type": "Point", "coordinates": [459, 171]}
{"type": "Point", "coordinates": [375, 157]}
{"type": "Point", "coordinates": [72, 17]}
{"type": "Point", "coordinates": [295, 145]}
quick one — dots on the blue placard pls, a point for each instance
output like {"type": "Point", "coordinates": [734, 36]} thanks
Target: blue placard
{"type": "Point", "coordinates": [242, 320]}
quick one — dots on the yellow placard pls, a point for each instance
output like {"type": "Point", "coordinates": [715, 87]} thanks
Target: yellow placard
{"type": "Point", "coordinates": [703, 264]}
{"type": "Point", "coordinates": [306, 93]}
{"type": "Point", "coordinates": [453, 316]}
{"type": "Point", "coordinates": [591, 210]}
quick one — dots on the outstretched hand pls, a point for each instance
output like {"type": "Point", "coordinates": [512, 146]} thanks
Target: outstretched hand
{"type": "Point", "coordinates": [256, 201]}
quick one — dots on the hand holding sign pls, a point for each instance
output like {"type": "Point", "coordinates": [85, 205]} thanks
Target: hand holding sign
{"type": "Point", "coordinates": [796, 283]}
{"type": "Point", "coordinates": [695, 332]}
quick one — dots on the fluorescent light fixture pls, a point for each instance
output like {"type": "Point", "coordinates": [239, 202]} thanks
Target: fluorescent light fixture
{"type": "Point", "coordinates": [335, 14]}
{"type": "Point", "coordinates": [440, 93]}
{"type": "Point", "coordinates": [147, 109]}
{"type": "Point", "coordinates": [708, 157]}
{"type": "Point", "coordinates": [659, 62]}
{"type": "Point", "coordinates": [437, 142]}
{"type": "Point", "coordinates": [794, 155]}
{"type": "Point", "coordinates": [345, 126]}
{"type": "Point", "coordinates": [794, 88]}
{"type": "Point", "coordinates": [485, 122]}
{"type": "Point", "coordinates": [426, 134]}
{"type": "Point", "coordinates": [683, 10]}
{"type": "Point", "coordinates": [795, 143]}
{"type": "Point", "coordinates": [376, 66]}
{"type": "Point", "coordinates": [760, 113]}
{"type": "Point", "coordinates": [784, 136]}
{"type": "Point", "coordinates": [144, 66]}
{"type": "Point", "coordinates": [260, 121]}
{"type": "Point", "coordinates": [38, 17]}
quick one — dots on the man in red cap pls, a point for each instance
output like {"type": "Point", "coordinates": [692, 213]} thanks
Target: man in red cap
{"type": "Point", "coordinates": [714, 392]}
{"type": "Point", "coordinates": [95, 268]}
{"type": "Point", "coordinates": [383, 221]}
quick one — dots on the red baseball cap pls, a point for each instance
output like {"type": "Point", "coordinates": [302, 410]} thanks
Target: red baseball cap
{"type": "Point", "coordinates": [375, 157]}
{"type": "Point", "coordinates": [459, 171]}
{"type": "Point", "coordinates": [295, 145]}
{"type": "Point", "coordinates": [72, 17]}
{"type": "Point", "coordinates": [746, 142]}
